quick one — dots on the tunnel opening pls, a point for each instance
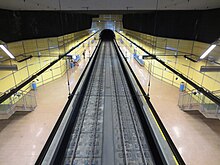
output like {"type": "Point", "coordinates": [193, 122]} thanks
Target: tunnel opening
{"type": "Point", "coordinates": [107, 35]}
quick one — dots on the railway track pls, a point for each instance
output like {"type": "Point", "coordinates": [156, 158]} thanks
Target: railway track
{"type": "Point", "coordinates": [107, 130]}
{"type": "Point", "coordinates": [108, 118]}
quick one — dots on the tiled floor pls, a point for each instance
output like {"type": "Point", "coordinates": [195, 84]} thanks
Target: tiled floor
{"type": "Point", "coordinates": [196, 138]}
{"type": "Point", "coordinates": [23, 135]}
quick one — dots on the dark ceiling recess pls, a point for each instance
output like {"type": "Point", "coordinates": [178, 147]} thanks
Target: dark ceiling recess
{"type": "Point", "coordinates": [199, 25]}
{"type": "Point", "coordinates": [21, 25]}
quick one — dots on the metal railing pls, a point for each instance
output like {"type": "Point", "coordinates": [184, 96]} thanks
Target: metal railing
{"type": "Point", "coordinates": [20, 101]}
{"type": "Point", "coordinates": [216, 93]}
{"type": "Point", "coordinates": [193, 100]}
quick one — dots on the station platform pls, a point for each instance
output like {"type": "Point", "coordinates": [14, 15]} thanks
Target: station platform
{"type": "Point", "coordinates": [23, 136]}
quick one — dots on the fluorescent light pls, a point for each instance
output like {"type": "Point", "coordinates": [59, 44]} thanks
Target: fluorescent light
{"type": "Point", "coordinates": [6, 51]}
{"type": "Point", "coordinates": [207, 51]}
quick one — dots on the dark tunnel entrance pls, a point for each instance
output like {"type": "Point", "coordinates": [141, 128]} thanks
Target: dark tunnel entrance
{"type": "Point", "coordinates": [107, 34]}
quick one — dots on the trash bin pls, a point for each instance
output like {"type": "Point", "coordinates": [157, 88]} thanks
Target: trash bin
{"type": "Point", "coordinates": [34, 85]}
{"type": "Point", "coordinates": [182, 86]}
{"type": "Point", "coordinates": [71, 64]}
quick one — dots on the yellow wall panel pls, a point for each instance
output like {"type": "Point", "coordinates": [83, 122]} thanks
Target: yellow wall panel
{"type": "Point", "coordinates": [34, 68]}
{"type": "Point", "coordinates": [213, 75]}
{"type": "Point", "coordinates": [32, 60]}
{"type": "Point", "coordinates": [4, 73]}
{"type": "Point", "coordinates": [197, 78]}
{"type": "Point", "coordinates": [53, 42]}
{"type": "Point", "coordinates": [159, 65]}
{"type": "Point", "coordinates": [21, 75]}
{"type": "Point", "coordinates": [16, 48]}
{"type": "Point", "coordinates": [185, 46]}
{"type": "Point", "coordinates": [56, 71]}
{"type": "Point", "coordinates": [30, 46]}
{"type": "Point", "coordinates": [54, 52]}
{"type": "Point", "coordinates": [44, 53]}
{"type": "Point", "coordinates": [7, 83]}
{"type": "Point", "coordinates": [157, 71]}
{"type": "Point", "coordinates": [39, 80]}
{"type": "Point", "coordinates": [182, 69]}
{"type": "Point", "coordinates": [191, 73]}
{"type": "Point", "coordinates": [36, 63]}
{"type": "Point", "coordinates": [208, 83]}
{"type": "Point", "coordinates": [183, 61]}
{"type": "Point", "coordinates": [44, 61]}
{"type": "Point", "coordinates": [168, 75]}
{"type": "Point", "coordinates": [160, 51]}
{"type": "Point", "coordinates": [42, 44]}
{"type": "Point", "coordinates": [47, 76]}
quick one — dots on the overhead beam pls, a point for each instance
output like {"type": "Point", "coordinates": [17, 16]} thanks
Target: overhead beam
{"type": "Point", "coordinates": [189, 58]}
{"type": "Point", "coordinates": [23, 58]}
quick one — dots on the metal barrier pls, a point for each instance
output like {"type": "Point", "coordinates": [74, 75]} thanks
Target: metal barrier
{"type": "Point", "coordinates": [20, 101]}
{"type": "Point", "coordinates": [193, 100]}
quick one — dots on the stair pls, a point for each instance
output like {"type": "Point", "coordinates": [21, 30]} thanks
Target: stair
{"type": "Point", "coordinates": [25, 102]}
{"type": "Point", "coordinates": [191, 102]}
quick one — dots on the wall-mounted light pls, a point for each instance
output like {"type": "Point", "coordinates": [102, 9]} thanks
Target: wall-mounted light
{"type": "Point", "coordinates": [210, 69]}
{"type": "Point", "coordinates": [9, 67]}
{"type": "Point", "coordinates": [207, 51]}
{"type": "Point", "coordinates": [6, 51]}
{"type": "Point", "coordinates": [170, 48]}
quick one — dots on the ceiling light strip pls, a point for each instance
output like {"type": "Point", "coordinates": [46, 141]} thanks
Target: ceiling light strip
{"type": "Point", "coordinates": [6, 51]}
{"type": "Point", "coordinates": [207, 51]}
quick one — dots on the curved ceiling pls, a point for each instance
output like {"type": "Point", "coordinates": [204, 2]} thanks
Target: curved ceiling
{"type": "Point", "coordinates": [109, 4]}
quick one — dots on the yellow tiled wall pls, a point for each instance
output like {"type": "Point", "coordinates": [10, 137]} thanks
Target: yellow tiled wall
{"type": "Point", "coordinates": [157, 45]}
{"type": "Point", "coordinates": [44, 51]}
